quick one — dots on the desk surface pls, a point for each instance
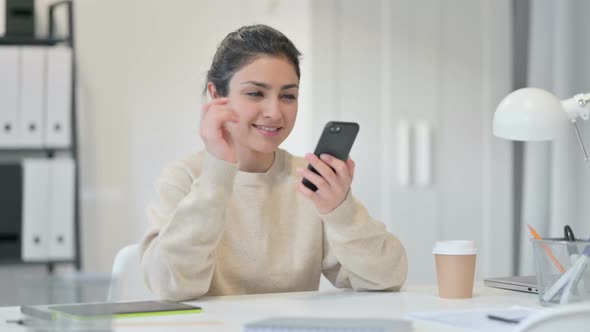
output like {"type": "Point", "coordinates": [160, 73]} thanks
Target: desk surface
{"type": "Point", "coordinates": [230, 313]}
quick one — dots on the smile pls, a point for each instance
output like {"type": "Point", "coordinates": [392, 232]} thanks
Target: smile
{"type": "Point", "coordinates": [268, 131]}
{"type": "Point", "coordinates": [271, 129]}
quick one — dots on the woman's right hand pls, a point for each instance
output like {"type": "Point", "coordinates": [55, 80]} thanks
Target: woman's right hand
{"type": "Point", "coordinates": [215, 116]}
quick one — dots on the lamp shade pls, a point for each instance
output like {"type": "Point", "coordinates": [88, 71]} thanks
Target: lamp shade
{"type": "Point", "coordinates": [530, 114]}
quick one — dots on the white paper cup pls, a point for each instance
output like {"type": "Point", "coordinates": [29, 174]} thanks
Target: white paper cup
{"type": "Point", "coordinates": [455, 268]}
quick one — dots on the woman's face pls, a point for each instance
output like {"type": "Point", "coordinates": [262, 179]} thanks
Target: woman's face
{"type": "Point", "coordinates": [264, 93]}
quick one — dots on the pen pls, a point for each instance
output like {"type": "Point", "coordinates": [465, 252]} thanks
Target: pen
{"type": "Point", "coordinates": [547, 250]}
{"type": "Point", "coordinates": [561, 282]}
{"type": "Point", "coordinates": [16, 321]}
{"type": "Point", "coordinates": [505, 320]}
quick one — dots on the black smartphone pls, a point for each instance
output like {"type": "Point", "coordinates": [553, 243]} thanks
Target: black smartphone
{"type": "Point", "coordinates": [336, 140]}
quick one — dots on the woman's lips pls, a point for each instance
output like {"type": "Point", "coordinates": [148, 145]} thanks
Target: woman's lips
{"type": "Point", "coordinates": [268, 131]}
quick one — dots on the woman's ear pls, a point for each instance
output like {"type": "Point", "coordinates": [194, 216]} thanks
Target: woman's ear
{"type": "Point", "coordinates": [212, 90]}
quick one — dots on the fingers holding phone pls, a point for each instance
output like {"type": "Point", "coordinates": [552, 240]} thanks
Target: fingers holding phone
{"type": "Point", "coordinates": [332, 180]}
{"type": "Point", "coordinates": [327, 181]}
{"type": "Point", "coordinates": [342, 168]}
{"type": "Point", "coordinates": [216, 115]}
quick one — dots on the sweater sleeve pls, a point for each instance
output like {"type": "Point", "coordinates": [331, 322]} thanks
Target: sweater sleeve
{"type": "Point", "coordinates": [178, 250]}
{"type": "Point", "coordinates": [359, 253]}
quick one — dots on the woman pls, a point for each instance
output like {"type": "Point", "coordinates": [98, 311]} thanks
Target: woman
{"type": "Point", "coordinates": [235, 218]}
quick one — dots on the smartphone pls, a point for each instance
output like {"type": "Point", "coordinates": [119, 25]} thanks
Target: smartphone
{"type": "Point", "coordinates": [336, 140]}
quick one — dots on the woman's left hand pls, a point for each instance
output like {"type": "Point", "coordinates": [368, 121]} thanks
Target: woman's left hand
{"type": "Point", "coordinates": [333, 184]}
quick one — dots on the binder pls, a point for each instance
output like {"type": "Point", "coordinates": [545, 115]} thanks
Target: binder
{"type": "Point", "coordinates": [314, 324]}
{"type": "Point", "coordinates": [11, 207]}
{"type": "Point", "coordinates": [58, 97]}
{"type": "Point", "coordinates": [32, 97]}
{"type": "Point", "coordinates": [61, 209]}
{"type": "Point", "coordinates": [35, 222]}
{"type": "Point", "coordinates": [2, 17]}
{"type": "Point", "coordinates": [9, 66]}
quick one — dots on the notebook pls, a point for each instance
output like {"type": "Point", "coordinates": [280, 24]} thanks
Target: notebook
{"type": "Point", "coordinates": [526, 284]}
{"type": "Point", "coordinates": [306, 324]}
{"type": "Point", "coordinates": [106, 309]}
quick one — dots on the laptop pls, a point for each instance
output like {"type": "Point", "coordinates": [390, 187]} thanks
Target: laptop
{"type": "Point", "coordinates": [527, 284]}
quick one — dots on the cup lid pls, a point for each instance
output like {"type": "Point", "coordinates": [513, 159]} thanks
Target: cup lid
{"type": "Point", "coordinates": [454, 248]}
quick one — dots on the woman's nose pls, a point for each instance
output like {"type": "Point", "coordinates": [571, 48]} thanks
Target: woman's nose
{"type": "Point", "coordinates": [272, 110]}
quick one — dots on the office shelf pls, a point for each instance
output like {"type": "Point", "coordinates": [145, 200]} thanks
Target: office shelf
{"type": "Point", "coordinates": [49, 153]}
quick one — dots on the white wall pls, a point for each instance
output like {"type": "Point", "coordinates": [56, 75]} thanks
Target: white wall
{"type": "Point", "coordinates": [141, 70]}
{"type": "Point", "coordinates": [556, 177]}
{"type": "Point", "coordinates": [142, 66]}
{"type": "Point", "coordinates": [442, 64]}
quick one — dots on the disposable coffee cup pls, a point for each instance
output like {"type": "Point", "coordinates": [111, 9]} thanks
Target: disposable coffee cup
{"type": "Point", "coordinates": [455, 268]}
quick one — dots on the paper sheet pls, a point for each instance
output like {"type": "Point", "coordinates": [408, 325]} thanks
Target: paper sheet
{"type": "Point", "coordinates": [476, 319]}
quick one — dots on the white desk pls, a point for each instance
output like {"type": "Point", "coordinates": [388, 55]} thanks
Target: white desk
{"type": "Point", "coordinates": [229, 313]}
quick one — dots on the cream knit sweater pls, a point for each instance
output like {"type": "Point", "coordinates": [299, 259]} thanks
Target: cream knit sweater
{"type": "Point", "coordinates": [218, 231]}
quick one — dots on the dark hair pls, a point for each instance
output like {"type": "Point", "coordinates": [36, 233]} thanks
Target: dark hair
{"type": "Point", "coordinates": [242, 47]}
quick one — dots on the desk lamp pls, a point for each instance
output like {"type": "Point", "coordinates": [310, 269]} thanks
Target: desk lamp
{"type": "Point", "coordinates": [532, 114]}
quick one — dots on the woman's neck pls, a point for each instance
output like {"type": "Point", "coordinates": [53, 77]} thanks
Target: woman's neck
{"type": "Point", "coordinates": [255, 162]}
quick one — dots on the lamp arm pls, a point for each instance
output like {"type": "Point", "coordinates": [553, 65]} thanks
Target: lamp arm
{"type": "Point", "coordinates": [575, 108]}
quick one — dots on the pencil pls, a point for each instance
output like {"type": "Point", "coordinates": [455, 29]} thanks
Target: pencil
{"type": "Point", "coordinates": [547, 250]}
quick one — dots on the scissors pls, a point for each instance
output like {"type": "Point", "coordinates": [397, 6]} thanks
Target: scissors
{"type": "Point", "coordinates": [568, 234]}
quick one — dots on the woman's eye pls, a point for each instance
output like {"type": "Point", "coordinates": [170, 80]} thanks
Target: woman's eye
{"type": "Point", "coordinates": [255, 94]}
{"type": "Point", "coordinates": [289, 97]}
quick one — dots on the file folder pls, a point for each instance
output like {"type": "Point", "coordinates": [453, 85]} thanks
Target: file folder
{"type": "Point", "coordinates": [58, 97]}
{"type": "Point", "coordinates": [35, 222]}
{"type": "Point", "coordinates": [2, 17]}
{"type": "Point", "coordinates": [11, 207]}
{"type": "Point", "coordinates": [61, 209]}
{"type": "Point", "coordinates": [9, 66]}
{"type": "Point", "coordinates": [32, 99]}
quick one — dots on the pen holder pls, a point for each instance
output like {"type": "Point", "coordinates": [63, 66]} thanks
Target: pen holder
{"type": "Point", "coordinates": [562, 270]}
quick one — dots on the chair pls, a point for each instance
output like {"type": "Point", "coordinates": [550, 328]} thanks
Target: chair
{"type": "Point", "coordinates": [571, 318]}
{"type": "Point", "coordinates": [127, 273]}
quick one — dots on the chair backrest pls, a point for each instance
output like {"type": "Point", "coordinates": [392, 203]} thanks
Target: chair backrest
{"type": "Point", "coordinates": [127, 273]}
{"type": "Point", "coordinates": [574, 317]}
